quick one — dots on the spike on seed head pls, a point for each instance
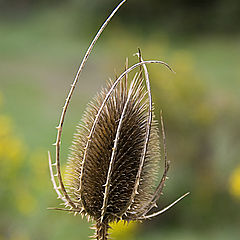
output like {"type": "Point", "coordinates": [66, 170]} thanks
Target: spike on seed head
{"type": "Point", "coordinates": [114, 157]}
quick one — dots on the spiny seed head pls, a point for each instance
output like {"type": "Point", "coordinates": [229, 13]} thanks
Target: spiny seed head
{"type": "Point", "coordinates": [125, 115]}
{"type": "Point", "coordinates": [115, 154]}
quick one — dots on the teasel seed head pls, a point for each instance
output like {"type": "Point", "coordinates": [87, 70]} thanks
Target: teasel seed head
{"type": "Point", "coordinates": [114, 160]}
{"type": "Point", "coordinates": [113, 155]}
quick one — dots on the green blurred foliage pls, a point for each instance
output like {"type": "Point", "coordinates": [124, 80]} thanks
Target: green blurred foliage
{"type": "Point", "coordinates": [39, 54]}
{"type": "Point", "coordinates": [193, 118]}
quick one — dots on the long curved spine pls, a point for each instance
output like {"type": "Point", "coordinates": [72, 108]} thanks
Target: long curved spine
{"type": "Point", "coordinates": [65, 197]}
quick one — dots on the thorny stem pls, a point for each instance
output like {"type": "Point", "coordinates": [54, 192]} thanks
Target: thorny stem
{"type": "Point", "coordinates": [101, 230]}
{"type": "Point", "coordinates": [148, 130]}
{"type": "Point", "coordinates": [158, 191]}
{"type": "Point", "coordinates": [59, 127]}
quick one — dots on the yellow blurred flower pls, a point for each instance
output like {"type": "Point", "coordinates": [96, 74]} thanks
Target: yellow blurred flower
{"type": "Point", "coordinates": [123, 230]}
{"type": "Point", "coordinates": [12, 150]}
{"type": "Point", "coordinates": [235, 183]}
{"type": "Point", "coordinates": [13, 154]}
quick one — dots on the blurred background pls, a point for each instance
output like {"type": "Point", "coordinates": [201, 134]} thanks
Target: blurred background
{"type": "Point", "coordinates": [41, 45]}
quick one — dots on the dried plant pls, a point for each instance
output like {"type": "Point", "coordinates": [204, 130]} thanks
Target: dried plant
{"type": "Point", "coordinates": [113, 164]}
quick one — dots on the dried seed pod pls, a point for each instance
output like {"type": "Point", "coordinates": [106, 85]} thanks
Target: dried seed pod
{"type": "Point", "coordinates": [105, 172]}
{"type": "Point", "coordinates": [114, 159]}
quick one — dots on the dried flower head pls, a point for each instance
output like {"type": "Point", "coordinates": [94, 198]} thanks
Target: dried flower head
{"type": "Point", "coordinates": [113, 164]}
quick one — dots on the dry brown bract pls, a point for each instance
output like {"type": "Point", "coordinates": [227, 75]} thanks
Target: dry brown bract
{"type": "Point", "coordinates": [113, 165]}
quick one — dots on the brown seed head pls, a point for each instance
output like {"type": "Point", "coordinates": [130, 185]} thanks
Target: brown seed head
{"type": "Point", "coordinates": [114, 159]}
{"type": "Point", "coordinates": [89, 176]}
